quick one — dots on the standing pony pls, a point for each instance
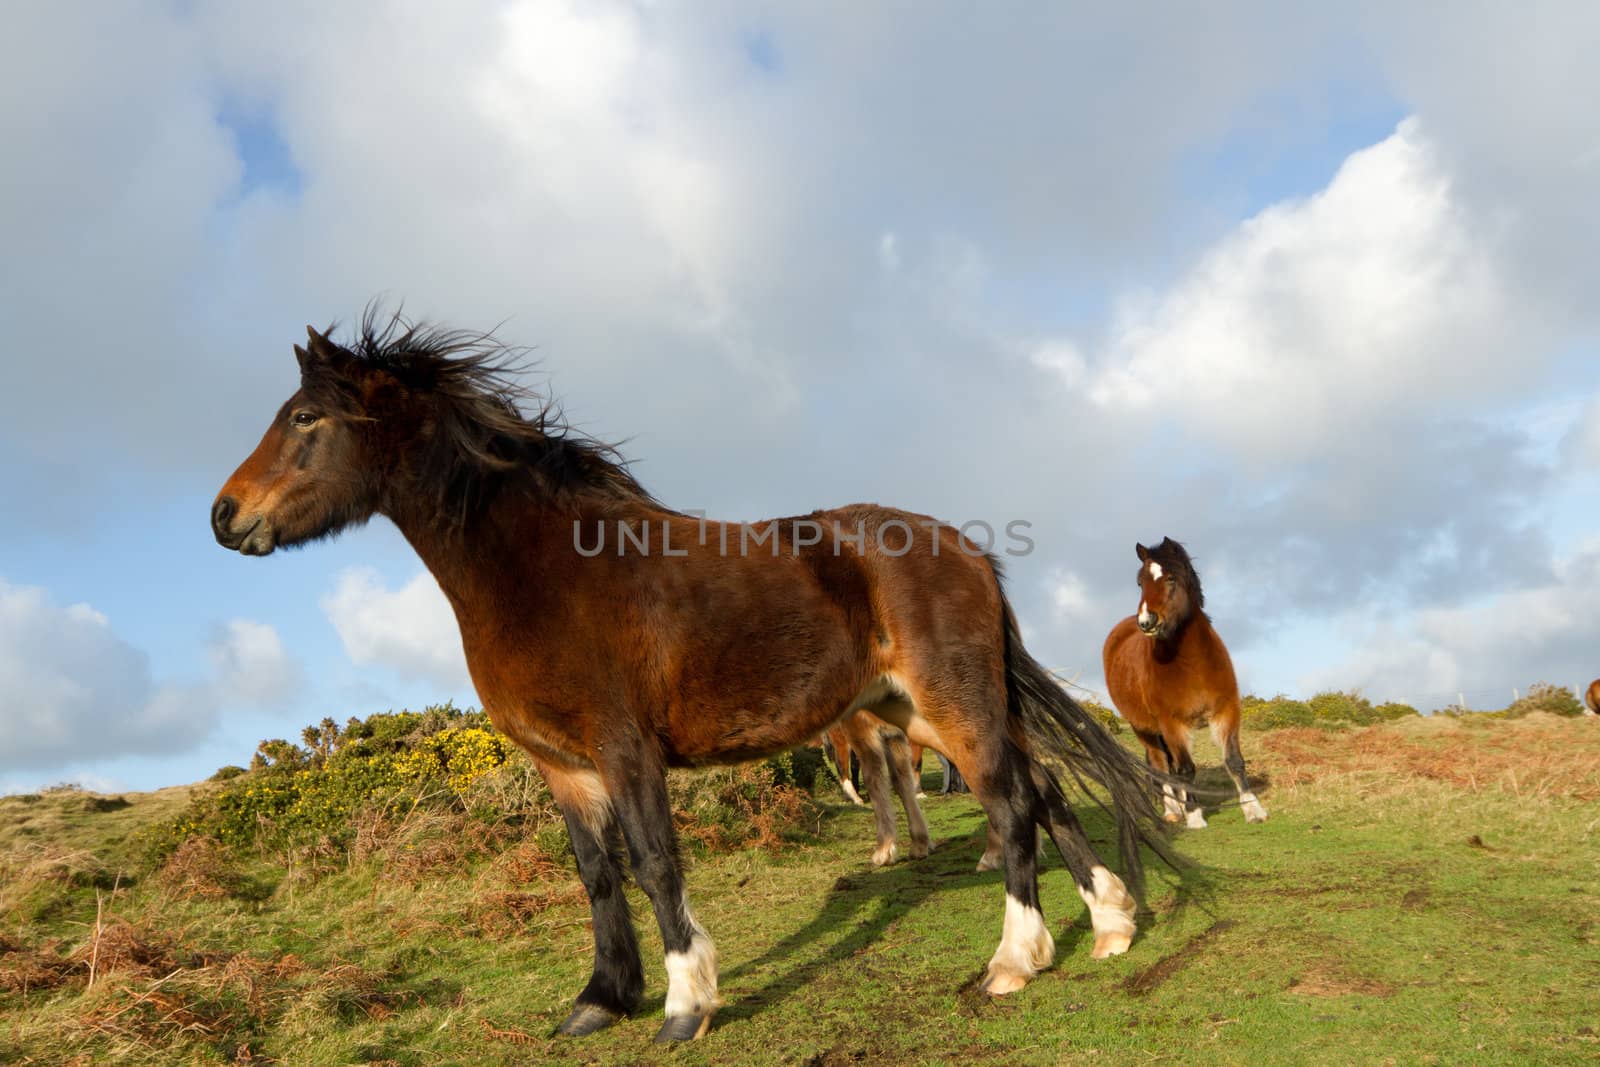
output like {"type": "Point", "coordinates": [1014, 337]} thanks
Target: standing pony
{"type": "Point", "coordinates": [1591, 697]}
{"type": "Point", "coordinates": [612, 638]}
{"type": "Point", "coordinates": [885, 762]}
{"type": "Point", "coordinates": [1167, 671]}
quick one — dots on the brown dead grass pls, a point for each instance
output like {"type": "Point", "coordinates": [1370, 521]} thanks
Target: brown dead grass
{"type": "Point", "coordinates": [1536, 756]}
{"type": "Point", "coordinates": [200, 869]}
{"type": "Point", "coordinates": [1327, 978]}
{"type": "Point", "coordinates": [25, 969]}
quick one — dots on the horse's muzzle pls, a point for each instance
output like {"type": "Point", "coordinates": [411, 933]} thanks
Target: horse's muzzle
{"type": "Point", "coordinates": [254, 540]}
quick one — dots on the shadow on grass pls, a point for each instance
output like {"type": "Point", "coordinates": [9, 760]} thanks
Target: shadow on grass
{"type": "Point", "coordinates": [864, 904]}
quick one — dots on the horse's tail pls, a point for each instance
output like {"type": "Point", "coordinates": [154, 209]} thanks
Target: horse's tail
{"type": "Point", "coordinates": [1058, 727]}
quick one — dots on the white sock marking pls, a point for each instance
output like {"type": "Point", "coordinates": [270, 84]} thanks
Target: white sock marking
{"type": "Point", "coordinates": [1026, 947]}
{"type": "Point", "coordinates": [1110, 906]}
{"type": "Point", "coordinates": [692, 975]}
{"type": "Point", "coordinates": [1195, 819]}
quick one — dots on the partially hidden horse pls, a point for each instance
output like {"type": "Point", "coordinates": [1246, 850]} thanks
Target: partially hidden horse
{"type": "Point", "coordinates": [1591, 697]}
{"type": "Point", "coordinates": [1167, 671]}
{"type": "Point", "coordinates": [612, 637]}
{"type": "Point", "coordinates": [885, 760]}
{"type": "Point", "coordinates": [881, 752]}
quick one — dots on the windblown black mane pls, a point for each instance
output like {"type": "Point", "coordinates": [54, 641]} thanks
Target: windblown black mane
{"type": "Point", "coordinates": [480, 436]}
{"type": "Point", "coordinates": [1174, 560]}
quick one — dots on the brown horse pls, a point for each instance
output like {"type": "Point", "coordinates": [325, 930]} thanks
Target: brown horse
{"type": "Point", "coordinates": [1591, 697]}
{"type": "Point", "coordinates": [885, 760]}
{"type": "Point", "coordinates": [612, 638]}
{"type": "Point", "coordinates": [1168, 671]}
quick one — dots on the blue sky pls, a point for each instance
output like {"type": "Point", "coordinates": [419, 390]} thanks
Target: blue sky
{"type": "Point", "coordinates": [1294, 293]}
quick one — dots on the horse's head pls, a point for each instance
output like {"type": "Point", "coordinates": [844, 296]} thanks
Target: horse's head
{"type": "Point", "coordinates": [314, 472]}
{"type": "Point", "coordinates": [1169, 589]}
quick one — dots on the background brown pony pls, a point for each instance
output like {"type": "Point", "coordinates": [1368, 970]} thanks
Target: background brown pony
{"type": "Point", "coordinates": [610, 664]}
{"type": "Point", "coordinates": [885, 760]}
{"type": "Point", "coordinates": [1167, 671]}
{"type": "Point", "coordinates": [1591, 697]}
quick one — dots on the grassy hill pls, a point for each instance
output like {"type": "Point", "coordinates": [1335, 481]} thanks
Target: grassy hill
{"type": "Point", "coordinates": [1426, 891]}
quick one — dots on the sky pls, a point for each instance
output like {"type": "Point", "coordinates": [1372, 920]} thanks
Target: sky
{"type": "Point", "coordinates": [1308, 292]}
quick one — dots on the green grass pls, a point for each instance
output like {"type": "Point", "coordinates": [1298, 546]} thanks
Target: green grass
{"type": "Point", "coordinates": [1424, 892]}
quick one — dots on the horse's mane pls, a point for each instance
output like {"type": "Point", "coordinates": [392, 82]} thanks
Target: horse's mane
{"type": "Point", "coordinates": [1174, 560]}
{"type": "Point", "coordinates": [481, 435]}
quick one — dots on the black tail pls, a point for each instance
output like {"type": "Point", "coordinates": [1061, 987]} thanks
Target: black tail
{"type": "Point", "coordinates": [1059, 727]}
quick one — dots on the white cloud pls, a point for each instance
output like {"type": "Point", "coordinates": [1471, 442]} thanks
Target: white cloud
{"type": "Point", "coordinates": [1319, 318]}
{"type": "Point", "coordinates": [410, 630]}
{"type": "Point", "coordinates": [74, 691]}
{"type": "Point", "coordinates": [1544, 632]}
{"type": "Point", "coordinates": [251, 664]}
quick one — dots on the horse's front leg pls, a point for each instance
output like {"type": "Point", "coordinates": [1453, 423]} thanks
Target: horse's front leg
{"type": "Point", "coordinates": [617, 984]}
{"type": "Point", "coordinates": [638, 791]}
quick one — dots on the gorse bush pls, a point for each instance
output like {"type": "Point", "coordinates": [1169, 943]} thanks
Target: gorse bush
{"type": "Point", "coordinates": [1330, 710]}
{"type": "Point", "coordinates": [449, 776]}
{"type": "Point", "coordinates": [1550, 699]}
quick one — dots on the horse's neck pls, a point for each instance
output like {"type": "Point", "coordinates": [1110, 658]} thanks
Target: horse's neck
{"type": "Point", "coordinates": [1192, 632]}
{"type": "Point", "coordinates": [508, 544]}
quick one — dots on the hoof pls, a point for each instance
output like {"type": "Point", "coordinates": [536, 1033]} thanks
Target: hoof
{"type": "Point", "coordinates": [1196, 819]}
{"type": "Point", "coordinates": [884, 856]}
{"type": "Point", "coordinates": [1253, 817]}
{"type": "Point", "coordinates": [683, 1028]}
{"type": "Point", "coordinates": [1113, 944]}
{"type": "Point", "coordinates": [1171, 817]}
{"type": "Point", "coordinates": [1253, 811]}
{"type": "Point", "coordinates": [998, 984]}
{"type": "Point", "coordinates": [988, 863]}
{"type": "Point", "coordinates": [920, 850]}
{"type": "Point", "coordinates": [586, 1019]}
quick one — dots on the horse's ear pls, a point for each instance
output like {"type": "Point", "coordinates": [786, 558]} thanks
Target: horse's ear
{"type": "Point", "coordinates": [1144, 553]}
{"type": "Point", "coordinates": [318, 352]}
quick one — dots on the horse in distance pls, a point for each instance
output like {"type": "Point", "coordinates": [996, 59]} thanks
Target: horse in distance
{"type": "Point", "coordinates": [1168, 671]}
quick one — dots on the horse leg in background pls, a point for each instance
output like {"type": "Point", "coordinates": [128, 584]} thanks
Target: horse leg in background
{"type": "Point", "coordinates": [617, 983]}
{"type": "Point", "coordinates": [916, 768]}
{"type": "Point", "coordinates": [1225, 731]}
{"type": "Point", "coordinates": [866, 740]}
{"type": "Point", "coordinates": [903, 771]}
{"type": "Point", "coordinates": [1160, 760]}
{"type": "Point", "coordinates": [637, 784]}
{"type": "Point", "coordinates": [1176, 736]}
{"type": "Point", "coordinates": [835, 741]}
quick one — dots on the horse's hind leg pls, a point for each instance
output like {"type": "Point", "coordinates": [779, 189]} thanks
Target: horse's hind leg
{"type": "Point", "coordinates": [1225, 731]}
{"type": "Point", "coordinates": [1176, 736]}
{"type": "Point", "coordinates": [1003, 786]}
{"type": "Point", "coordinates": [905, 784]}
{"type": "Point", "coordinates": [617, 984]}
{"type": "Point", "coordinates": [1111, 906]}
{"type": "Point", "coordinates": [834, 742]}
{"type": "Point", "coordinates": [867, 742]}
{"type": "Point", "coordinates": [638, 787]}
{"type": "Point", "coordinates": [1159, 759]}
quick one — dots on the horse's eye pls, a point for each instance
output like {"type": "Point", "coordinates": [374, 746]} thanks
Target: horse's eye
{"type": "Point", "coordinates": [303, 419]}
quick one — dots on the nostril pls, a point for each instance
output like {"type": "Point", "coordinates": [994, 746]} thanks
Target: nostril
{"type": "Point", "coordinates": [222, 513]}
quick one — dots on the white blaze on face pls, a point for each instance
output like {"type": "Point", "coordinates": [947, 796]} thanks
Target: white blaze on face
{"type": "Point", "coordinates": [1144, 613]}
{"type": "Point", "coordinates": [692, 975]}
{"type": "Point", "coordinates": [1155, 571]}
